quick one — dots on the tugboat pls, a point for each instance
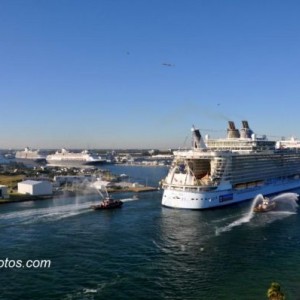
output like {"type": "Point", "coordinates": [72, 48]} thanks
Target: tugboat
{"type": "Point", "coordinates": [265, 206]}
{"type": "Point", "coordinates": [107, 203]}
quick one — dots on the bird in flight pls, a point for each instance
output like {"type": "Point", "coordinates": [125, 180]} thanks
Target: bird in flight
{"type": "Point", "coordinates": [168, 65]}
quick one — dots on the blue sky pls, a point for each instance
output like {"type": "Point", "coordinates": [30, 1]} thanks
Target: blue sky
{"type": "Point", "coordinates": [91, 74]}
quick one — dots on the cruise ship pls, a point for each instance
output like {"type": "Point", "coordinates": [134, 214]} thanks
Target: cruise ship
{"type": "Point", "coordinates": [28, 153]}
{"type": "Point", "coordinates": [291, 143]}
{"type": "Point", "coordinates": [66, 157]}
{"type": "Point", "coordinates": [219, 172]}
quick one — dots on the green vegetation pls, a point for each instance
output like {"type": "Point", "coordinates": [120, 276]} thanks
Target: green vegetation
{"type": "Point", "coordinates": [274, 292]}
{"type": "Point", "coordinates": [11, 181]}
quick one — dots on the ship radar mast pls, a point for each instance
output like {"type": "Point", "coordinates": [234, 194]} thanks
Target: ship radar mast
{"type": "Point", "coordinates": [198, 142]}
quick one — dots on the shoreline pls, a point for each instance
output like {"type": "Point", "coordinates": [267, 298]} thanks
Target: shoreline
{"type": "Point", "coordinates": [70, 193]}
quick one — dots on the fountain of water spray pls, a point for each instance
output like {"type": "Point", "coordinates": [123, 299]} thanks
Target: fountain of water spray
{"type": "Point", "coordinates": [258, 198]}
{"type": "Point", "coordinates": [246, 218]}
{"type": "Point", "coordinates": [286, 203]}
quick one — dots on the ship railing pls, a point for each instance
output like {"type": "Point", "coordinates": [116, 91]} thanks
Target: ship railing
{"type": "Point", "coordinates": [188, 188]}
{"type": "Point", "coordinates": [204, 181]}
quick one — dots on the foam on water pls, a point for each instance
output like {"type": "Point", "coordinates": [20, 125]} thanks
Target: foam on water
{"type": "Point", "coordinates": [286, 204]}
{"type": "Point", "coordinates": [46, 214]}
{"type": "Point", "coordinates": [50, 214]}
{"type": "Point", "coordinates": [129, 199]}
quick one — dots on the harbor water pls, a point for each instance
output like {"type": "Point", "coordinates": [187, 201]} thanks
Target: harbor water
{"type": "Point", "coordinates": [146, 251]}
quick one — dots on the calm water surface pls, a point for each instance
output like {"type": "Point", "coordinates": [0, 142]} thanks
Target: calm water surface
{"type": "Point", "coordinates": [146, 251]}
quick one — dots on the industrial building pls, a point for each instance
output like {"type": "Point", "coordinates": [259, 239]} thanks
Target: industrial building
{"type": "Point", "coordinates": [35, 188]}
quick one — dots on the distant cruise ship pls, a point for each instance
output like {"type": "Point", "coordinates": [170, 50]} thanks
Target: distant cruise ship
{"type": "Point", "coordinates": [66, 157]}
{"type": "Point", "coordinates": [218, 172]}
{"type": "Point", "coordinates": [27, 153]}
{"type": "Point", "coordinates": [291, 143]}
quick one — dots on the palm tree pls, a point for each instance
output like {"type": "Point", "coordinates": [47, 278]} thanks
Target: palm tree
{"type": "Point", "coordinates": [274, 292]}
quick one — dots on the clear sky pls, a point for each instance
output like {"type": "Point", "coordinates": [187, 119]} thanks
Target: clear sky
{"type": "Point", "coordinates": [140, 73]}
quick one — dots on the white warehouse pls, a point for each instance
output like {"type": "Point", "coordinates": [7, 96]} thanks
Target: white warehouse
{"type": "Point", "coordinates": [35, 188]}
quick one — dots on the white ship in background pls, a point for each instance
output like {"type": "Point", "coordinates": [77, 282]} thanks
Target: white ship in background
{"type": "Point", "coordinates": [66, 157]}
{"type": "Point", "coordinates": [28, 153]}
{"type": "Point", "coordinates": [218, 172]}
{"type": "Point", "coordinates": [291, 143]}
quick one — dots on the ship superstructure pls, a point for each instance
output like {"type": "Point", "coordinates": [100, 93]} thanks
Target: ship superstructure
{"type": "Point", "coordinates": [66, 157]}
{"type": "Point", "coordinates": [288, 144]}
{"type": "Point", "coordinates": [28, 153]}
{"type": "Point", "coordinates": [217, 172]}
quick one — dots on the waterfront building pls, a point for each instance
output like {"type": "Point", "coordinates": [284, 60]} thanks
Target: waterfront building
{"type": "Point", "coordinates": [35, 188]}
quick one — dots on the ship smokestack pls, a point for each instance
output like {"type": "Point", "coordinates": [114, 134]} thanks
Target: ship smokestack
{"type": "Point", "coordinates": [246, 132]}
{"type": "Point", "coordinates": [232, 132]}
{"type": "Point", "coordinates": [198, 142]}
{"type": "Point", "coordinates": [245, 124]}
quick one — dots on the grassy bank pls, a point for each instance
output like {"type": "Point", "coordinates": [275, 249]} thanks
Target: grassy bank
{"type": "Point", "coordinates": [11, 181]}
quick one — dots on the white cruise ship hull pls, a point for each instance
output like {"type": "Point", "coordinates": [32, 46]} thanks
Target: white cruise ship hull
{"type": "Point", "coordinates": [74, 162]}
{"type": "Point", "coordinates": [209, 199]}
{"type": "Point", "coordinates": [64, 157]}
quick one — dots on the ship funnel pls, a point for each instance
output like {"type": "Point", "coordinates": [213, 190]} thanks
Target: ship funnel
{"type": "Point", "coordinates": [246, 132]}
{"type": "Point", "coordinates": [198, 142]}
{"type": "Point", "coordinates": [245, 124]}
{"type": "Point", "coordinates": [232, 132]}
